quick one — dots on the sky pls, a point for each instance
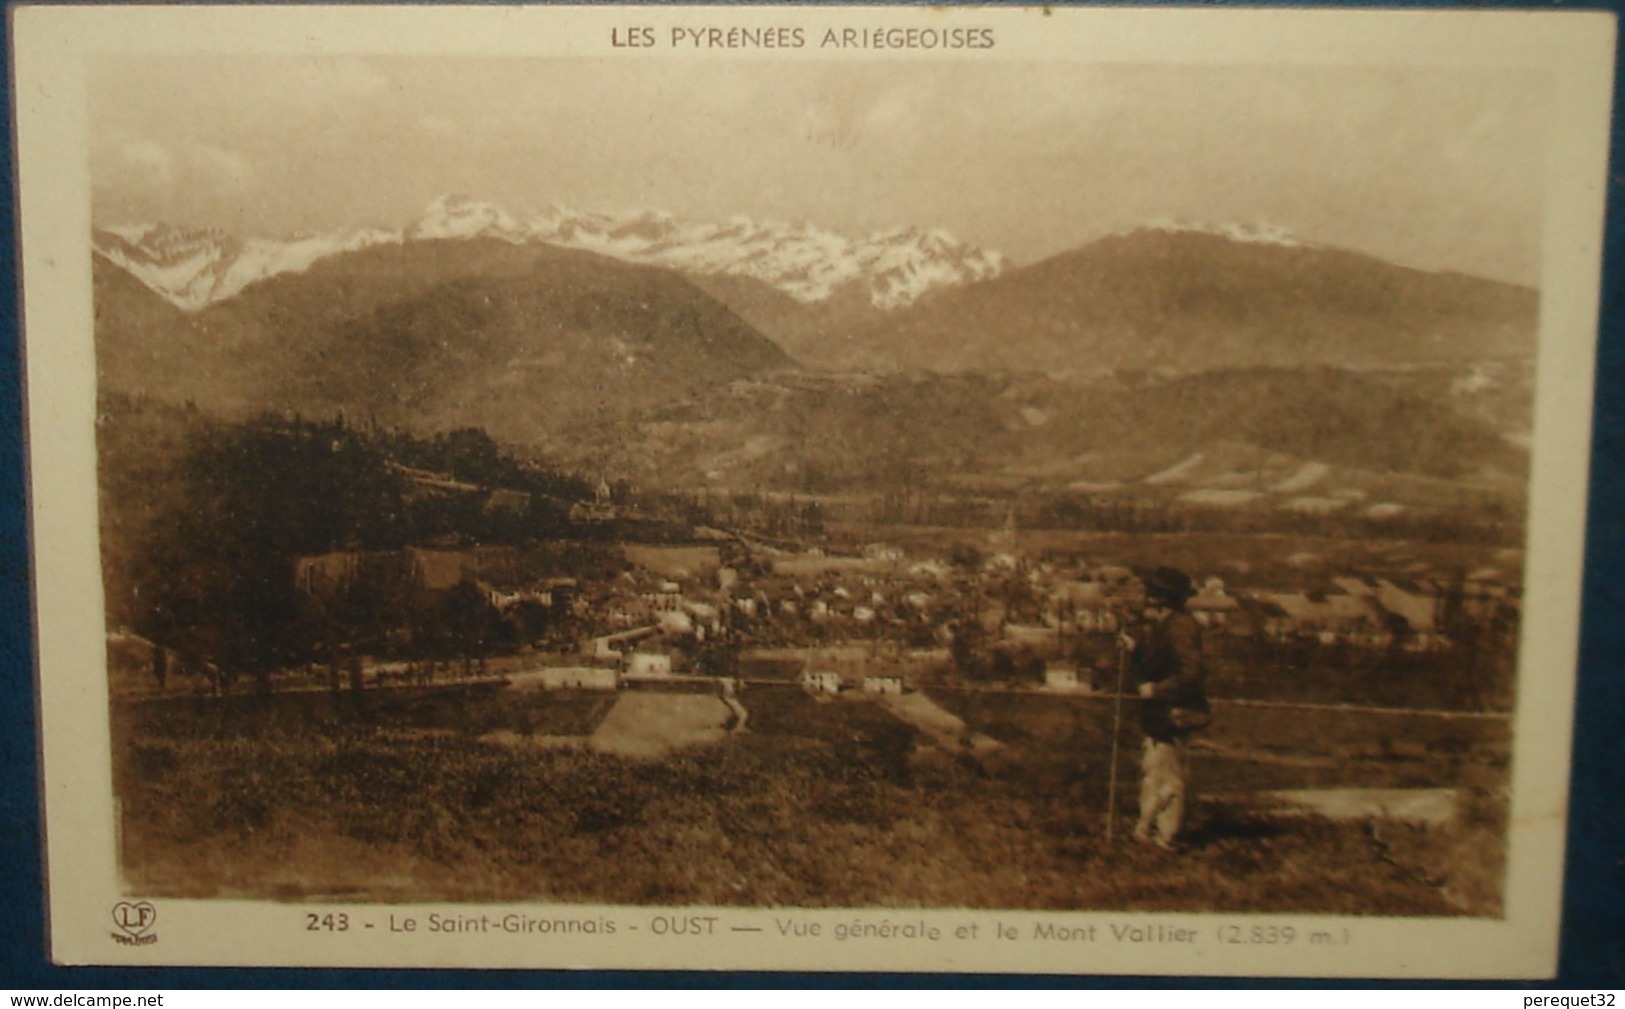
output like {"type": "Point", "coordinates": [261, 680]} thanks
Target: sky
{"type": "Point", "coordinates": [1435, 168]}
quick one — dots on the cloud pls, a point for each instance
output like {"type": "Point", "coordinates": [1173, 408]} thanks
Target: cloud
{"type": "Point", "coordinates": [144, 169]}
{"type": "Point", "coordinates": [844, 117]}
{"type": "Point", "coordinates": [878, 105]}
{"type": "Point", "coordinates": [219, 169]}
{"type": "Point", "coordinates": [147, 163]}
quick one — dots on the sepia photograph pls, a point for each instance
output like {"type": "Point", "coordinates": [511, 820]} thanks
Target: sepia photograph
{"type": "Point", "coordinates": [837, 462]}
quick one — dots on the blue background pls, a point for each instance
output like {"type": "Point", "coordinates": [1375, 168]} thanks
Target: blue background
{"type": "Point", "coordinates": [1593, 937]}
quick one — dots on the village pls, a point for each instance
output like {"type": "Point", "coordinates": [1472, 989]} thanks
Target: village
{"type": "Point", "coordinates": [726, 611]}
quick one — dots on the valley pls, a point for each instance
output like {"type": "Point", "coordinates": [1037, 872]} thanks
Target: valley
{"type": "Point", "coordinates": [740, 563]}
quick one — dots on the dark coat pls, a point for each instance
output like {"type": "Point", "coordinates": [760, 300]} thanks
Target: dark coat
{"type": "Point", "coordinates": [1170, 657]}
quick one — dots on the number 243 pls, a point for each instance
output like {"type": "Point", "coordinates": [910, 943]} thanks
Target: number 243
{"type": "Point", "coordinates": [327, 923]}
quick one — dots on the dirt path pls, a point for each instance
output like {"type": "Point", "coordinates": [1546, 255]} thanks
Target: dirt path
{"type": "Point", "coordinates": [741, 715]}
{"type": "Point", "coordinates": [947, 731]}
{"type": "Point", "coordinates": [1431, 806]}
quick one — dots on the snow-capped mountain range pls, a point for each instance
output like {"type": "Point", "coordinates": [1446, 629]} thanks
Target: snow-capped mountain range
{"type": "Point", "coordinates": [891, 268]}
{"type": "Point", "coordinates": [197, 268]}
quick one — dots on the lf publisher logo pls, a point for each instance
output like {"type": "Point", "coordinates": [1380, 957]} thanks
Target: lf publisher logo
{"type": "Point", "coordinates": [135, 921]}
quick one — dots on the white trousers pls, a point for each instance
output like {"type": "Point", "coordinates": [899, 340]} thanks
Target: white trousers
{"type": "Point", "coordinates": [1163, 795]}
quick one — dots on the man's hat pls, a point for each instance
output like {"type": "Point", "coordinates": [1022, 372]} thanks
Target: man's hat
{"type": "Point", "coordinates": [1169, 585]}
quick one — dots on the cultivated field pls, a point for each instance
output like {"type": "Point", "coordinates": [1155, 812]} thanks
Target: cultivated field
{"type": "Point", "coordinates": [647, 724]}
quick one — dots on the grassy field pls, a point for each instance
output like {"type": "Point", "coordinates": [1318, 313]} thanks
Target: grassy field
{"type": "Point", "coordinates": [470, 709]}
{"type": "Point", "coordinates": [818, 804]}
{"type": "Point", "coordinates": [1249, 748]}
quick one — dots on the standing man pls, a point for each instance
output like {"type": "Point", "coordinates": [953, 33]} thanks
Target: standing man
{"type": "Point", "coordinates": [1171, 673]}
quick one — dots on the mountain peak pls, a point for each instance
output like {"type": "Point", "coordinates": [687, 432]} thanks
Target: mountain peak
{"type": "Point", "coordinates": [1250, 234]}
{"type": "Point", "coordinates": [455, 215]}
{"type": "Point", "coordinates": [1187, 297]}
{"type": "Point", "coordinates": [134, 233]}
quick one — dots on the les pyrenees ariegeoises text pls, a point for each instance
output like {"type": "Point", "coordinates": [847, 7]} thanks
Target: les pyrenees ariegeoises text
{"type": "Point", "coordinates": [791, 37]}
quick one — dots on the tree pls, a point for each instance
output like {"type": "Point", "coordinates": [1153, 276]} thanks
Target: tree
{"type": "Point", "coordinates": [966, 648]}
{"type": "Point", "coordinates": [473, 623]}
{"type": "Point", "coordinates": [531, 620]}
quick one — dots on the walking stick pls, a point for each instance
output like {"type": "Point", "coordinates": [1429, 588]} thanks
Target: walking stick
{"type": "Point", "coordinates": [1117, 721]}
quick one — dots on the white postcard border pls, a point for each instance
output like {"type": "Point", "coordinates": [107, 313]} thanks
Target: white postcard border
{"type": "Point", "coordinates": [53, 47]}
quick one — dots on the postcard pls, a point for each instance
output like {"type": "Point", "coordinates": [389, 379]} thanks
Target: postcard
{"type": "Point", "coordinates": [874, 489]}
